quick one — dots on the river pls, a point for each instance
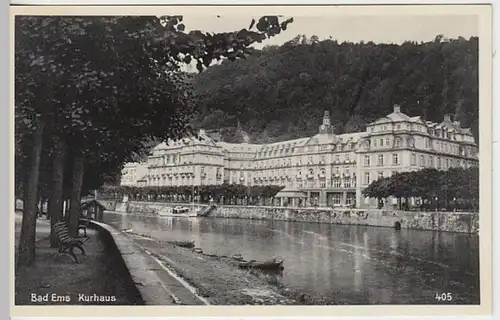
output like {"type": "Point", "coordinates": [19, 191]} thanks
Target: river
{"type": "Point", "coordinates": [341, 263]}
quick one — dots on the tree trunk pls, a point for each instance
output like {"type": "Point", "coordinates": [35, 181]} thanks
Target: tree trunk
{"type": "Point", "coordinates": [74, 207]}
{"type": "Point", "coordinates": [26, 248]}
{"type": "Point", "coordinates": [55, 210]}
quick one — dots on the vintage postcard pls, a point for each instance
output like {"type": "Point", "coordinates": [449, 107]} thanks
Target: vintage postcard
{"type": "Point", "coordinates": [251, 160]}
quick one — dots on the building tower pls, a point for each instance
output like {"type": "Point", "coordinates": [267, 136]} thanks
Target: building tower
{"type": "Point", "coordinates": [326, 126]}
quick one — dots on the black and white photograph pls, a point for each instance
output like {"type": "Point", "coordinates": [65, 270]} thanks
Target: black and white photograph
{"type": "Point", "coordinates": [217, 156]}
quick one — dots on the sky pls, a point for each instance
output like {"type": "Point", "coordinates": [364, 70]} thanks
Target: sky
{"type": "Point", "coordinates": [354, 28]}
{"type": "Point", "coordinates": [376, 28]}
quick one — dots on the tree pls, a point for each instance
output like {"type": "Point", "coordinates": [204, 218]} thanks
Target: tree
{"type": "Point", "coordinates": [73, 76]}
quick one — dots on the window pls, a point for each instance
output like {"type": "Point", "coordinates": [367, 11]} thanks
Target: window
{"type": "Point", "coordinates": [322, 159]}
{"type": "Point", "coordinates": [387, 142]}
{"type": "Point", "coordinates": [336, 183]}
{"type": "Point", "coordinates": [395, 159]}
{"type": "Point", "coordinates": [367, 178]}
{"type": "Point", "coordinates": [422, 161]}
{"type": "Point", "coordinates": [348, 200]}
{"type": "Point", "coordinates": [336, 199]}
{"type": "Point", "coordinates": [347, 183]}
{"type": "Point", "coordinates": [447, 163]}
{"type": "Point", "coordinates": [337, 170]}
{"type": "Point", "coordinates": [337, 158]}
{"type": "Point", "coordinates": [347, 158]}
{"type": "Point", "coordinates": [431, 161]}
{"type": "Point", "coordinates": [413, 159]}
{"type": "Point", "coordinates": [367, 161]}
{"type": "Point", "coordinates": [322, 184]}
{"type": "Point", "coordinates": [381, 142]}
{"type": "Point", "coordinates": [439, 163]}
{"type": "Point", "coordinates": [397, 142]}
{"type": "Point", "coordinates": [380, 159]}
{"type": "Point", "coordinates": [380, 175]}
{"type": "Point", "coordinates": [398, 126]}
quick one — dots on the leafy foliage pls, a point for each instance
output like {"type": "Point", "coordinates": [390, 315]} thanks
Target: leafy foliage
{"type": "Point", "coordinates": [457, 185]}
{"type": "Point", "coordinates": [105, 87]}
{"type": "Point", "coordinates": [356, 82]}
{"type": "Point", "coordinates": [225, 193]}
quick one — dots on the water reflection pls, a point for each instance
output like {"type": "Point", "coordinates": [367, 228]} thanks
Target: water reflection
{"type": "Point", "coordinates": [349, 264]}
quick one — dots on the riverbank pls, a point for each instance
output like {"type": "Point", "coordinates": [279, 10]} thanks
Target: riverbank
{"type": "Point", "coordinates": [215, 280]}
{"type": "Point", "coordinates": [461, 222]}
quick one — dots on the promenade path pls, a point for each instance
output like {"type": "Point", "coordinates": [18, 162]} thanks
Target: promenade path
{"type": "Point", "coordinates": [58, 276]}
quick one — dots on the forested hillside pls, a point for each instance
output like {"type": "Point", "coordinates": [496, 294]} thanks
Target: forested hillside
{"type": "Point", "coordinates": [281, 92]}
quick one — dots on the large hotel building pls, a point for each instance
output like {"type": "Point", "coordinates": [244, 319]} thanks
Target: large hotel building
{"type": "Point", "coordinates": [328, 169]}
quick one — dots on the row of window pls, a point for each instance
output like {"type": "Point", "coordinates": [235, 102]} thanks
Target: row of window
{"type": "Point", "coordinates": [395, 160]}
{"type": "Point", "coordinates": [299, 162]}
{"type": "Point", "coordinates": [381, 160]}
{"type": "Point", "coordinates": [291, 150]}
{"type": "Point", "coordinates": [440, 133]}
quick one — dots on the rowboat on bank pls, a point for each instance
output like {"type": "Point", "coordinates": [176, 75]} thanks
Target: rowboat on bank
{"type": "Point", "coordinates": [273, 264]}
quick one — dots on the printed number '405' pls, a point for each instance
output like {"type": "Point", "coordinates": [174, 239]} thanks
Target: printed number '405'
{"type": "Point", "coordinates": [443, 296]}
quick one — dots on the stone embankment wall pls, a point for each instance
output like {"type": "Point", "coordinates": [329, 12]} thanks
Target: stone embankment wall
{"type": "Point", "coordinates": [155, 207]}
{"type": "Point", "coordinates": [464, 222]}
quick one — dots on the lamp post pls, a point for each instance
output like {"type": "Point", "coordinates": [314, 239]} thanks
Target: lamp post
{"type": "Point", "coordinates": [436, 203]}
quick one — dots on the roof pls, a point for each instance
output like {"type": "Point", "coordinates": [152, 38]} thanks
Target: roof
{"type": "Point", "coordinates": [287, 145]}
{"type": "Point", "coordinates": [321, 138]}
{"type": "Point", "coordinates": [239, 147]}
{"type": "Point", "coordinates": [291, 193]}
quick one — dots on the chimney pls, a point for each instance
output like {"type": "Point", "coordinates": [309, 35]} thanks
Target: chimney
{"type": "Point", "coordinates": [456, 123]}
{"type": "Point", "coordinates": [397, 108]}
{"type": "Point", "coordinates": [447, 117]}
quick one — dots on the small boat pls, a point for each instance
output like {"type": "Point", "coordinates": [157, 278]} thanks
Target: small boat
{"type": "Point", "coordinates": [184, 244]}
{"type": "Point", "coordinates": [176, 212]}
{"type": "Point", "coordinates": [273, 264]}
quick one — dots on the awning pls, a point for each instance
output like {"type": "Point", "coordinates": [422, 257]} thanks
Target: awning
{"type": "Point", "coordinates": [291, 193]}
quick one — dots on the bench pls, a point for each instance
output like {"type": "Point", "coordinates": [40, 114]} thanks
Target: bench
{"type": "Point", "coordinates": [83, 223]}
{"type": "Point", "coordinates": [67, 243]}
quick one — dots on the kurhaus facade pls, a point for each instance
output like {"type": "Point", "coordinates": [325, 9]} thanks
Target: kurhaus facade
{"type": "Point", "coordinates": [133, 173]}
{"type": "Point", "coordinates": [329, 169]}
